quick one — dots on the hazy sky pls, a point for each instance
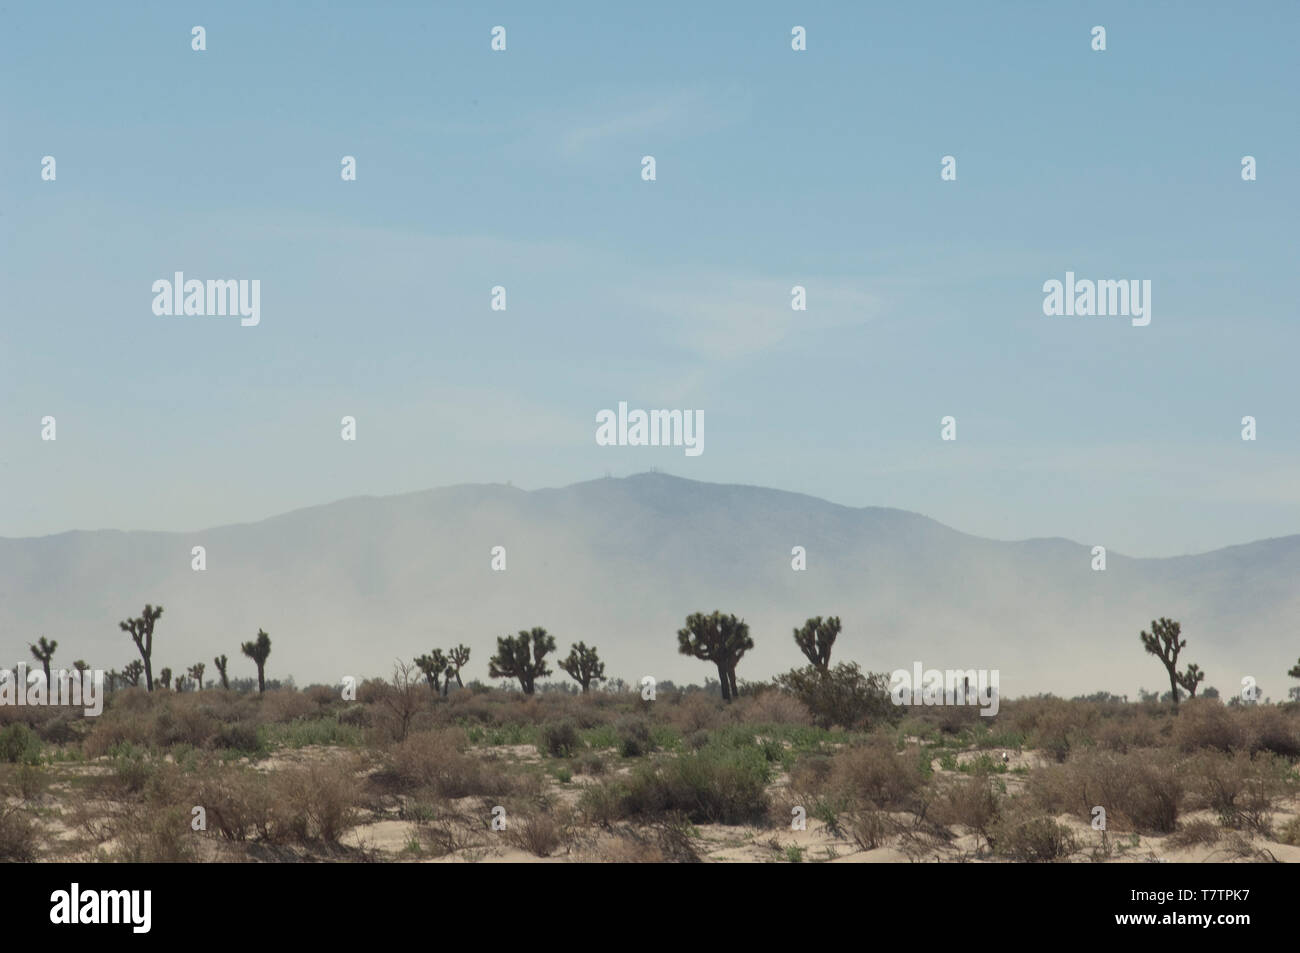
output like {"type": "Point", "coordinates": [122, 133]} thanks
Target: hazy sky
{"type": "Point", "coordinates": [775, 168]}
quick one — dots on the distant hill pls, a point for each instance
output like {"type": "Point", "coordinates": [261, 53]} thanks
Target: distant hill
{"type": "Point", "coordinates": [347, 587]}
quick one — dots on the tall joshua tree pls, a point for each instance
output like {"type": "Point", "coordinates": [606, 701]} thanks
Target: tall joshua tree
{"type": "Point", "coordinates": [434, 666]}
{"type": "Point", "coordinates": [584, 666]}
{"type": "Point", "coordinates": [815, 640]}
{"type": "Point", "coordinates": [459, 657]}
{"type": "Point", "coordinates": [221, 662]}
{"type": "Point", "coordinates": [196, 673]}
{"type": "Point", "coordinates": [717, 638]}
{"type": "Point", "coordinates": [513, 660]}
{"type": "Point", "coordinates": [1164, 643]}
{"type": "Point", "coordinates": [258, 652]}
{"type": "Point", "coordinates": [43, 651]}
{"type": "Point", "coordinates": [141, 631]}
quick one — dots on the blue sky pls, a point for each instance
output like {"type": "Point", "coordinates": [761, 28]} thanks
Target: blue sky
{"type": "Point", "coordinates": [775, 168]}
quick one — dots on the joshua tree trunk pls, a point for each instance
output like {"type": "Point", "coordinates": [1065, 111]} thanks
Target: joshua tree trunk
{"type": "Point", "coordinates": [726, 684]}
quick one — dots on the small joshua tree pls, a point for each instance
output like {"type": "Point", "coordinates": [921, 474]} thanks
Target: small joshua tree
{"type": "Point", "coordinates": [434, 666]}
{"type": "Point", "coordinates": [141, 631]}
{"type": "Point", "coordinates": [165, 678]}
{"type": "Point", "coordinates": [512, 659]}
{"type": "Point", "coordinates": [43, 651]}
{"type": "Point", "coordinates": [815, 640]}
{"type": "Point", "coordinates": [221, 662]}
{"type": "Point", "coordinates": [131, 673]}
{"type": "Point", "coordinates": [196, 673]}
{"type": "Point", "coordinates": [259, 651]}
{"type": "Point", "coordinates": [459, 657]}
{"type": "Point", "coordinates": [1164, 643]}
{"type": "Point", "coordinates": [720, 639]}
{"type": "Point", "coordinates": [81, 666]}
{"type": "Point", "coordinates": [584, 666]}
{"type": "Point", "coordinates": [1295, 673]}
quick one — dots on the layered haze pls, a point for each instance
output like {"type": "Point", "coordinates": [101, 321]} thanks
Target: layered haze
{"type": "Point", "coordinates": [347, 588]}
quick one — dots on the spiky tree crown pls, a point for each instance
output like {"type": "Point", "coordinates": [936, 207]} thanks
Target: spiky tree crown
{"type": "Point", "coordinates": [721, 639]}
{"type": "Point", "coordinates": [816, 638]}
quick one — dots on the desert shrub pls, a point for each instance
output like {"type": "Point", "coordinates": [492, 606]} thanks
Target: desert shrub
{"type": "Point", "coordinates": [1142, 789]}
{"type": "Point", "coordinates": [354, 715]}
{"type": "Point", "coordinates": [321, 695]}
{"type": "Point", "coordinates": [844, 695]}
{"type": "Point", "coordinates": [240, 736]}
{"type": "Point", "coordinates": [181, 723]}
{"type": "Point", "coordinates": [29, 781]}
{"type": "Point", "coordinates": [1023, 835]}
{"type": "Point", "coordinates": [875, 775]}
{"type": "Point", "coordinates": [559, 739]}
{"type": "Point", "coordinates": [539, 831]}
{"type": "Point", "coordinates": [717, 785]}
{"type": "Point", "coordinates": [434, 761]}
{"type": "Point", "coordinates": [1272, 728]}
{"type": "Point", "coordinates": [18, 835]}
{"type": "Point", "coordinates": [19, 745]}
{"type": "Point", "coordinates": [238, 801]}
{"type": "Point", "coordinates": [1123, 734]}
{"type": "Point", "coordinates": [971, 802]}
{"type": "Point", "coordinates": [870, 828]}
{"type": "Point", "coordinates": [1290, 833]}
{"type": "Point", "coordinates": [771, 706]}
{"type": "Point", "coordinates": [316, 801]}
{"type": "Point", "coordinates": [286, 704]}
{"type": "Point", "coordinates": [696, 711]}
{"type": "Point", "coordinates": [590, 762]}
{"type": "Point", "coordinates": [603, 804]}
{"type": "Point", "coordinates": [1242, 790]}
{"type": "Point", "coordinates": [1206, 723]}
{"type": "Point", "coordinates": [132, 768]}
{"type": "Point", "coordinates": [60, 729]}
{"type": "Point", "coordinates": [634, 737]}
{"type": "Point", "coordinates": [153, 835]}
{"type": "Point", "coordinates": [1194, 834]}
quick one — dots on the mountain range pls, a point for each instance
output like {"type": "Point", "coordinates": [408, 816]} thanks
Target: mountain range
{"type": "Point", "coordinates": [348, 587]}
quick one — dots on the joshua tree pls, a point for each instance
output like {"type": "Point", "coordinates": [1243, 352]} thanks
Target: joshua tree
{"type": "Point", "coordinates": [815, 640]}
{"type": "Point", "coordinates": [196, 673]}
{"type": "Point", "coordinates": [459, 656]}
{"type": "Point", "coordinates": [131, 673]}
{"type": "Point", "coordinates": [1163, 642]}
{"type": "Point", "coordinates": [1191, 678]}
{"type": "Point", "coordinates": [584, 666]}
{"type": "Point", "coordinates": [717, 638]}
{"type": "Point", "coordinates": [1295, 670]}
{"type": "Point", "coordinates": [141, 631]}
{"type": "Point", "coordinates": [43, 651]}
{"type": "Point", "coordinates": [80, 666]}
{"type": "Point", "coordinates": [221, 662]}
{"type": "Point", "coordinates": [258, 651]}
{"type": "Point", "coordinates": [434, 666]}
{"type": "Point", "coordinates": [165, 678]}
{"type": "Point", "coordinates": [512, 659]}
